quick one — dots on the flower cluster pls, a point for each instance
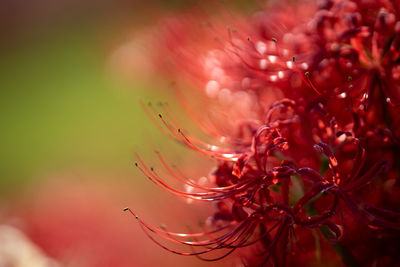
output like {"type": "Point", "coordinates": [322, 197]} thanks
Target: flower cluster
{"type": "Point", "coordinates": [304, 101]}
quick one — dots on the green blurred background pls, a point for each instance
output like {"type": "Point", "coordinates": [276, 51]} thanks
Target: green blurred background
{"type": "Point", "coordinates": [58, 109]}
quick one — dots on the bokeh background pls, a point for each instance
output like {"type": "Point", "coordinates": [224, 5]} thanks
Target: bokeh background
{"type": "Point", "coordinates": [71, 77]}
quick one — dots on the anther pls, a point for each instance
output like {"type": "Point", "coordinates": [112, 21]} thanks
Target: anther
{"type": "Point", "coordinates": [159, 115]}
{"type": "Point", "coordinates": [274, 39]}
{"type": "Point", "coordinates": [293, 58]}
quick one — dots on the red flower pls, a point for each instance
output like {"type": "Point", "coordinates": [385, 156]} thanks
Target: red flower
{"type": "Point", "coordinates": [291, 83]}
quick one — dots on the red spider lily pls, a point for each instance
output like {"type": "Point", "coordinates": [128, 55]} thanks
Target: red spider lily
{"type": "Point", "coordinates": [254, 212]}
{"type": "Point", "coordinates": [321, 83]}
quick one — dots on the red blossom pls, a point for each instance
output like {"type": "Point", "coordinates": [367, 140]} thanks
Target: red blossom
{"type": "Point", "coordinates": [311, 139]}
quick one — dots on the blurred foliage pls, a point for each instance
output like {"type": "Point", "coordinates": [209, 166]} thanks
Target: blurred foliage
{"type": "Point", "coordinates": [57, 110]}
